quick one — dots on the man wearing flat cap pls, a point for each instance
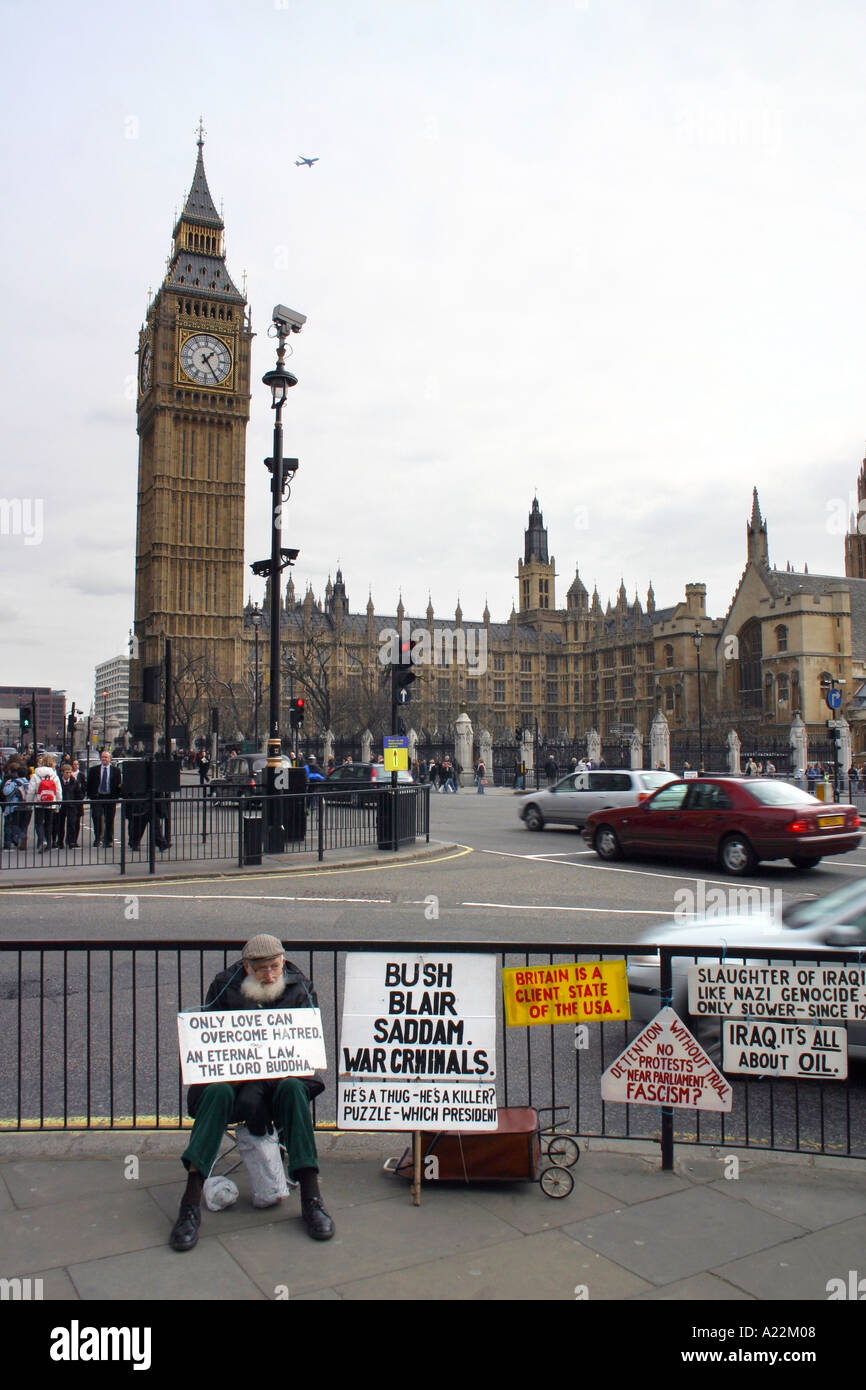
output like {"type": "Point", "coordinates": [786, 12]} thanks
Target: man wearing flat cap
{"type": "Point", "coordinates": [262, 978]}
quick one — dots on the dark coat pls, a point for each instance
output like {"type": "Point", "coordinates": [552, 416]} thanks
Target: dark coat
{"type": "Point", "coordinates": [94, 777]}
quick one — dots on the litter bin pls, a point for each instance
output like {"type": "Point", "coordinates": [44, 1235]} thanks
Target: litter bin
{"type": "Point", "coordinates": [252, 837]}
{"type": "Point", "coordinates": [407, 816]}
{"type": "Point", "coordinates": [824, 791]}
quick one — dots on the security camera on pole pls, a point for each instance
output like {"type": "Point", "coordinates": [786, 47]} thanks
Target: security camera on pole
{"type": "Point", "coordinates": [285, 321]}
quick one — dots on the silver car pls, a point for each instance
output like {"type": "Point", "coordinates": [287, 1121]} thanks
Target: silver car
{"type": "Point", "coordinates": [837, 921]}
{"type": "Point", "coordinates": [576, 796]}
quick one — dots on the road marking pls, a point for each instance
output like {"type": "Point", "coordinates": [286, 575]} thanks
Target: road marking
{"type": "Point", "coordinates": [208, 897]}
{"type": "Point", "coordinates": [612, 911]}
{"type": "Point", "coordinates": [615, 869]}
{"type": "Point", "coordinates": [139, 887]}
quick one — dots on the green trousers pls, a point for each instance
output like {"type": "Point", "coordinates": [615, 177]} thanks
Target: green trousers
{"type": "Point", "coordinates": [218, 1105]}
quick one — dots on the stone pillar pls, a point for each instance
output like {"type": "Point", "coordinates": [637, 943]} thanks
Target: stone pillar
{"type": "Point", "coordinates": [463, 747]}
{"type": "Point", "coordinates": [366, 747]}
{"type": "Point", "coordinates": [413, 746]}
{"type": "Point", "coordinates": [844, 752]}
{"type": "Point", "coordinates": [527, 754]}
{"type": "Point", "coordinates": [593, 746]}
{"type": "Point", "coordinates": [733, 742]}
{"type": "Point", "coordinates": [660, 742]}
{"type": "Point", "coordinates": [328, 748]}
{"type": "Point", "coordinates": [485, 746]}
{"type": "Point", "coordinates": [799, 740]}
{"type": "Point", "coordinates": [636, 750]}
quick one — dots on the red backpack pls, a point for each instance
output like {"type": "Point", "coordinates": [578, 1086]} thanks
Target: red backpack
{"type": "Point", "coordinates": [45, 792]}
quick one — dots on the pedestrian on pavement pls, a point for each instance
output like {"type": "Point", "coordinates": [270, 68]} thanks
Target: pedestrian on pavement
{"type": "Point", "coordinates": [261, 979]}
{"type": "Point", "coordinates": [103, 789]}
{"type": "Point", "coordinates": [480, 777]}
{"type": "Point", "coordinates": [203, 769]}
{"type": "Point", "coordinates": [45, 793]}
{"type": "Point", "coordinates": [16, 814]}
{"type": "Point", "coordinates": [68, 821]}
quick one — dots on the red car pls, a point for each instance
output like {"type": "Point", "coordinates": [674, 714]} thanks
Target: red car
{"type": "Point", "coordinates": [736, 822]}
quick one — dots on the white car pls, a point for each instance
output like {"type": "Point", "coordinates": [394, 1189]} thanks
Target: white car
{"type": "Point", "coordinates": [835, 921]}
{"type": "Point", "coordinates": [576, 796]}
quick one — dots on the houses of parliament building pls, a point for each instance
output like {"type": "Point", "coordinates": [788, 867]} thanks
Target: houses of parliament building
{"type": "Point", "coordinates": [568, 661]}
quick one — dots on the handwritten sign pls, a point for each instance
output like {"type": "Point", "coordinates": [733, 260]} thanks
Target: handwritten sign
{"type": "Point", "coordinates": [587, 993]}
{"type": "Point", "coordinates": [245, 1046]}
{"type": "Point", "coordinates": [418, 1042]}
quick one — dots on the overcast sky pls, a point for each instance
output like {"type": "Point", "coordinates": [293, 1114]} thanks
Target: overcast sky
{"type": "Point", "coordinates": [608, 251]}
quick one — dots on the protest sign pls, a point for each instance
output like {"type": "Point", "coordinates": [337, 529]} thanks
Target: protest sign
{"type": "Point", "coordinates": [590, 992]}
{"type": "Point", "coordinates": [221, 1045]}
{"type": "Point", "coordinates": [665, 1065]}
{"type": "Point", "coordinates": [418, 1042]}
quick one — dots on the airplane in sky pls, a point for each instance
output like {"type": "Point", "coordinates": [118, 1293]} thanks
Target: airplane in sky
{"type": "Point", "coordinates": [309, 162]}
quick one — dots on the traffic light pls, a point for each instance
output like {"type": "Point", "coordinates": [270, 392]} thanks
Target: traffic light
{"type": "Point", "coordinates": [26, 719]}
{"type": "Point", "coordinates": [403, 672]}
{"type": "Point", "coordinates": [296, 715]}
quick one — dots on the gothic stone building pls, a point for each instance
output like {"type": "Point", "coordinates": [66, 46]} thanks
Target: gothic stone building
{"type": "Point", "coordinates": [193, 408]}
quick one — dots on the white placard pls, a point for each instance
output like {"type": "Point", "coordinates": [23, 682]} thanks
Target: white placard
{"type": "Point", "coordinates": [248, 1045]}
{"type": "Point", "coordinates": [785, 1049]}
{"type": "Point", "coordinates": [665, 1065]}
{"type": "Point", "coordinates": [418, 1042]}
{"type": "Point", "coordinates": [742, 989]}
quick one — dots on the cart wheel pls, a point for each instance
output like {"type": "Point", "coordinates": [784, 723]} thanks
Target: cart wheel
{"type": "Point", "coordinates": [556, 1181]}
{"type": "Point", "coordinates": [563, 1150]}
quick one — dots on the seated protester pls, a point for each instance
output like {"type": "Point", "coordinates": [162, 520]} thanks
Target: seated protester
{"type": "Point", "coordinates": [262, 978]}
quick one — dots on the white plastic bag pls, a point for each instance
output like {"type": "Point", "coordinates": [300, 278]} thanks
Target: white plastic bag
{"type": "Point", "coordinates": [219, 1193]}
{"type": "Point", "coordinates": [264, 1164]}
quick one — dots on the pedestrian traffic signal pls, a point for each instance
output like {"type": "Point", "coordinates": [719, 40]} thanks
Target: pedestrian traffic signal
{"type": "Point", "coordinates": [26, 717]}
{"type": "Point", "coordinates": [296, 716]}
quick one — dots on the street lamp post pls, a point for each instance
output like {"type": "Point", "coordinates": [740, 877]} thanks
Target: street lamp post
{"type": "Point", "coordinates": [104, 717]}
{"type": "Point", "coordinates": [279, 380]}
{"type": "Point", "coordinates": [257, 618]}
{"type": "Point", "coordinates": [698, 638]}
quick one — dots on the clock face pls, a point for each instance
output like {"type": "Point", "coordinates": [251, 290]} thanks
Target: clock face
{"type": "Point", "coordinates": [146, 367]}
{"type": "Point", "coordinates": [205, 359]}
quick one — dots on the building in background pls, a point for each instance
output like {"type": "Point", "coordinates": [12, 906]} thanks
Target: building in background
{"type": "Point", "coordinates": [111, 691]}
{"type": "Point", "coordinates": [50, 714]}
{"type": "Point", "coordinates": [193, 408]}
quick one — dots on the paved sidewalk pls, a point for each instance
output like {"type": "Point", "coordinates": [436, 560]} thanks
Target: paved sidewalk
{"type": "Point", "coordinates": [72, 1216]}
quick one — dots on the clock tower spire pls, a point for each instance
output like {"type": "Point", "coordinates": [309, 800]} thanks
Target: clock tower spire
{"type": "Point", "coordinates": [193, 408]}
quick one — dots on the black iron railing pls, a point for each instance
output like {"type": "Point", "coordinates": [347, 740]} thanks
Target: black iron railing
{"type": "Point", "coordinates": [210, 824]}
{"type": "Point", "coordinates": [90, 1042]}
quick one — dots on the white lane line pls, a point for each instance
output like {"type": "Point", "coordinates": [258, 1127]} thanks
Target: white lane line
{"type": "Point", "coordinates": [641, 873]}
{"type": "Point", "coordinates": [205, 897]}
{"type": "Point", "coordinates": [611, 911]}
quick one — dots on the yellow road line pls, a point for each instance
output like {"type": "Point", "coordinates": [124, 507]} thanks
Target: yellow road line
{"type": "Point", "coordinates": [137, 888]}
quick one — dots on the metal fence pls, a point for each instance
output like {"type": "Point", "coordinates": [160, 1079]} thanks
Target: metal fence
{"type": "Point", "coordinates": [91, 1043]}
{"type": "Point", "coordinates": [195, 825]}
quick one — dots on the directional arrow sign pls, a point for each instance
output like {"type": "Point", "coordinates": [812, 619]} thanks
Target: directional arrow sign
{"type": "Point", "coordinates": [665, 1065]}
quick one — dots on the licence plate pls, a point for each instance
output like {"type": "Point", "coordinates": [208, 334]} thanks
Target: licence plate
{"type": "Point", "coordinates": [831, 820]}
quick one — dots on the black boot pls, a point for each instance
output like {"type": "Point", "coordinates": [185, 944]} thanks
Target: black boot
{"type": "Point", "coordinates": [184, 1232]}
{"type": "Point", "coordinates": [313, 1214]}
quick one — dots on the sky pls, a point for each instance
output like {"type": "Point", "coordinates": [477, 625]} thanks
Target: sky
{"type": "Point", "coordinates": [605, 252]}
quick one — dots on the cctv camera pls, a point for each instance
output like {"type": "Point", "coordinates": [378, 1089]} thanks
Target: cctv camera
{"type": "Point", "coordinates": [288, 318]}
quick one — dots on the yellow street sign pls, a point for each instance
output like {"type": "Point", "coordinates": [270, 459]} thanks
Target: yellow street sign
{"type": "Point", "coordinates": [591, 992]}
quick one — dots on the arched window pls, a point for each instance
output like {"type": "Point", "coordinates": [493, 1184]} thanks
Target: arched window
{"type": "Point", "coordinates": [781, 638]}
{"type": "Point", "coordinates": [783, 690]}
{"type": "Point", "coordinates": [749, 668]}
{"type": "Point", "coordinates": [669, 698]}
{"type": "Point", "coordinates": [669, 659]}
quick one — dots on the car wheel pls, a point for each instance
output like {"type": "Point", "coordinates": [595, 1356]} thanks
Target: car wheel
{"type": "Point", "coordinates": [605, 843]}
{"type": "Point", "coordinates": [533, 818]}
{"type": "Point", "coordinates": [736, 855]}
{"type": "Point", "coordinates": [805, 861]}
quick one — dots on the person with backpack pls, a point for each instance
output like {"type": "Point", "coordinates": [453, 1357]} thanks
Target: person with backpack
{"type": "Point", "coordinates": [16, 816]}
{"type": "Point", "coordinates": [46, 794]}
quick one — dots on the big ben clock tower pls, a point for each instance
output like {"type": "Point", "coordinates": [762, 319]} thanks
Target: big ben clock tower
{"type": "Point", "coordinates": [193, 409]}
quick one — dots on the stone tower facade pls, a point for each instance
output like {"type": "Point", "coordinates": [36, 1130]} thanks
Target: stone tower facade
{"type": "Point", "coordinates": [193, 409]}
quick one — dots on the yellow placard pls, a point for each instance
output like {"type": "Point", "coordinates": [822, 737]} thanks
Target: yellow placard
{"type": "Point", "coordinates": [396, 759]}
{"type": "Point", "coordinates": [592, 992]}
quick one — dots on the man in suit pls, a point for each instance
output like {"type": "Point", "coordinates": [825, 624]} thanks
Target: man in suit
{"type": "Point", "coordinates": [103, 789]}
